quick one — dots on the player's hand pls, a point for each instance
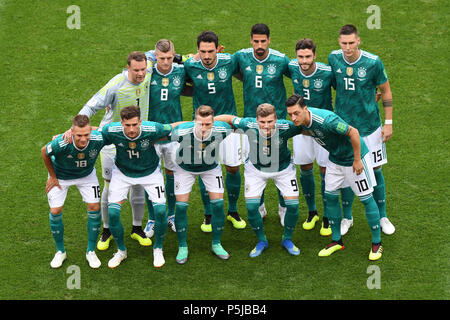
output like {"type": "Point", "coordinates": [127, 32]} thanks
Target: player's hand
{"type": "Point", "coordinates": [68, 136]}
{"type": "Point", "coordinates": [220, 48]}
{"type": "Point", "coordinates": [51, 183]}
{"type": "Point", "coordinates": [358, 166]}
{"type": "Point", "coordinates": [386, 132]}
{"type": "Point", "coordinates": [196, 56]}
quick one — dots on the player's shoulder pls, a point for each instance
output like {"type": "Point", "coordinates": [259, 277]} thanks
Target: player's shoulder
{"type": "Point", "coordinates": [115, 82]}
{"type": "Point", "coordinates": [319, 115]}
{"type": "Point", "coordinates": [335, 53]}
{"type": "Point", "coordinates": [246, 51]}
{"type": "Point", "coordinates": [284, 124]}
{"type": "Point", "coordinates": [293, 63]}
{"type": "Point", "coordinates": [323, 67]}
{"type": "Point", "coordinates": [368, 55]}
{"type": "Point", "coordinates": [276, 53]}
{"type": "Point", "coordinates": [149, 126]}
{"type": "Point", "coordinates": [96, 135]}
{"type": "Point", "coordinates": [221, 126]}
{"type": "Point", "coordinates": [113, 127]}
{"type": "Point", "coordinates": [184, 128]}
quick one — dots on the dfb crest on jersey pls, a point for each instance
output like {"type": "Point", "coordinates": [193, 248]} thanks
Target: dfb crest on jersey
{"type": "Point", "coordinates": [211, 76]}
{"type": "Point", "coordinates": [259, 69]}
{"type": "Point", "coordinates": [145, 143]}
{"type": "Point", "coordinates": [318, 83]}
{"type": "Point", "coordinates": [349, 71]}
{"type": "Point", "coordinates": [222, 74]}
{"type": "Point", "coordinates": [271, 69]}
{"type": "Point", "coordinates": [93, 154]}
{"type": "Point", "coordinates": [138, 92]}
{"type": "Point", "coordinates": [305, 83]}
{"type": "Point", "coordinates": [176, 81]}
{"type": "Point", "coordinates": [362, 72]}
{"type": "Point", "coordinates": [165, 82]}
{"type": "Point", "coordinates": [81, 156]}
{"type": "Point", "coordinates": [132, 145]}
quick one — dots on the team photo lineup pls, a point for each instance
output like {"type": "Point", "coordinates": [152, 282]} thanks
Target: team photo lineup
{"type": "Point", "coordinates": [152, 158]}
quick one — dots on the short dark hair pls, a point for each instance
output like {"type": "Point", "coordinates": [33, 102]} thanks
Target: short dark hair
{"type": "Point", "coordinates": [260, 28]}
{"type": "Point", "coordinates": [295, 99]}
{"type": "Point", "coordinates": [348, 29]}
{"type": "Point", "coordinates": [265, 110]}
{"type": "Point", "coordinates": [306, 43]}
{"type": "Point", "coordinates": [81, 121]}
{"type": "Point", "coordinates": [204, 111]}
{"type": "Point", "coordinates": [207, 36]}
{"type": "Point", "coordinates": [130, 112]}
{"type": "Point", "coordinates": [136, 55]}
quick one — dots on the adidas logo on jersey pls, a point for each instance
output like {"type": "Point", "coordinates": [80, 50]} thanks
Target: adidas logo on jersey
{"type": "Point", "coordinates": [199, 76]}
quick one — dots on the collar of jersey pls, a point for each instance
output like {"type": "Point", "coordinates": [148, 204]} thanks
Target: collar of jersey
{"type": "Point", "coordinates": [314, 72]}
{"type": "Point", "coordinates": [261, 61]}
{"type": "Point", "coordinates": [217, 61]}
{"type": "Point", "coordinates": [159, 72]}
{"type": "Point", "coordinates": [138, 136]}
{"type": "Point", "coordinates": [351, 63]}
{"type": "Point", "coordinates": [75, 146]}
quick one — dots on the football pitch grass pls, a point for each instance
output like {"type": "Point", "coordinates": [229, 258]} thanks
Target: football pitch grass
{"type": "Point", "coordinates": [50, 71]}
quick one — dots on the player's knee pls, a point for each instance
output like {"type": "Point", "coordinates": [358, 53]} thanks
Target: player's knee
{"type": "Point", "coordinates": [306, 167]}
{"type": "Point", "coordinates": [232, 170]}
{"type": "Point", "coordinates": [93, 206]}
{"type": "Point", "coordinates": [56, 211]}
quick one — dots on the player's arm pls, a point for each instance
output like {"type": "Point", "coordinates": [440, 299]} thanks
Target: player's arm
{"type": "Point", "coordinates": [228, 118]}
{"type": "Point", "coordinates": [101, 100]}
{"type": "Point", "coordinates": [52, 180]}
{"type": "Point", "coordinates": [386, 97]}
{"type": "Point", "coordinates": [353, 133]}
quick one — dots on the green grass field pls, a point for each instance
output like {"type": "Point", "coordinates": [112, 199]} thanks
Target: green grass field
{"type": "Point", "coordinates": [50, 71]}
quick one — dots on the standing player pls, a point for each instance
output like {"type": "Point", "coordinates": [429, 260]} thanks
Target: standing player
{"type": "Point", "coordinates": [212, 78]}
{"type": "Point", "coordinates": [167, 84]}
{"type": "Point", "coordinates": [348, 165]}
{"type": "Point", "coordinates": [131, 87]}
{"type": "Point", "coordinates": [72, 164]}
{"type": "Point", "coordinates": [136, 163]}
{"type": "Point", "coordinates": [262, 70]}
{"type": "Point", "coordinates": [269, 158]}
{"type": "Point", "coordinates": [313, 81]}
{"type": "Point", "coordinates": [198, 155]}
{"type": "Point", "coordinates": [358, 74]}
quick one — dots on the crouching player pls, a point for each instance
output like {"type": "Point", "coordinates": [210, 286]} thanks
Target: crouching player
{"type": "Point", "coordinates": [72, 164]}
{"type": "Point", "coordinates": [349, 165]}
{"type": "Point", "coordinates": [269, 158]}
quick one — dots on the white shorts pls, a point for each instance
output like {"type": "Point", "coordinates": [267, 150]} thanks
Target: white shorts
{"type": "Point", "coordinates": [121, 184]}
{"type": "Point", "coordinates": [184, 180]}
{"type": "Point", "coordinates": [231, 150]}
{"type": "Point", "coordinates": [87, 186]}
{"type": "Point", "coordinates": [256, 181]}
{"type": "Point", "coordinates": [306, 150]}
{"type": "Point", "coordinates": [107, 156]}
{"type": "Point", "coordinates": [338, 177]}
{"type": "Point", "coordinates": [377, 148]}
{"type": "Point", "coordinates": [167, 152]}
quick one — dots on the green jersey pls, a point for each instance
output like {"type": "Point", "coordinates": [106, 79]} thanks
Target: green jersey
{"type": "Point", "coordinates": [165, 91]}
{"type": "Point", "coordinates": [315, 88]}
{"type": "Point", "coordinates": [119, 93]}
{"type": "Point", "coordinates": [263, 80]}
{"type": "Point", "coordinates": [329, 130]}
{"type": "Point", "coordinates": [356, 84]}
{"type": "Point", "coordinates": [268, 154]}
{"type": "Point", "coordinates": [69, 161]}
{"type": "Point", "coordinates": [196, 154]}
{"type": "Point", "coordinates": [136, 157]}
{"type": "Point", "coordinates": [213, 87]}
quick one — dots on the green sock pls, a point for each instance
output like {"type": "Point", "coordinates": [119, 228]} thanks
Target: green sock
{"type": "Point", "coordinates": [115, 225]}
{"type": "Point", "coordinates": [322, 191]}
{"type": "Point", "coordinates": [170, 192]}
{"type": "Point", "coordinates": [181, 222]}
{"type": "Point", "coordinates": [57, 229]}
{"type": "Point", "coordinates": [347, 201]}
{"type": "Point", "coordinates": [205, 197]}
{"type": "Point", "coordinates": [217, 220]}
{"type": "Point", "coordinates": [372, 216]}
{"type": "Point", "coordinates": [281, 199]}
{"type": "Point", "coordinates": [233, 186]}
{"type": "Point", "coordinates": [255, 219]}
{"type": "Point", "coordinates": [151, 213]}
{"type": "Point", "coordinates": [160, 224]}
{"type": "Point", "coordinates": [93, 229]}
{"type": "Point", "coordinates": [308, 188]}
{"type": "Point", "coordinates": [334, 214]}
{"type": "Point", "coordinates": [379, 192]}
{"type": "Point", "coordinates": [291, 217]}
